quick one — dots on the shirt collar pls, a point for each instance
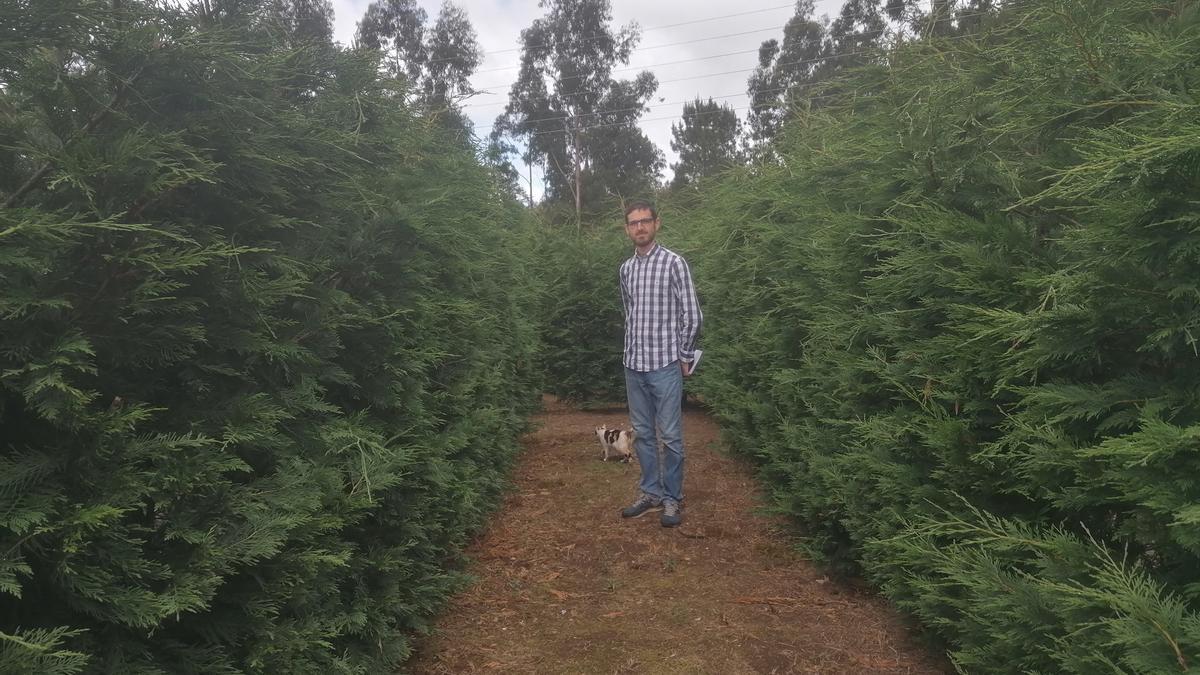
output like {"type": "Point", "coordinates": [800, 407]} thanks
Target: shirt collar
{"type": "Point", "coordinates": [649, 254]}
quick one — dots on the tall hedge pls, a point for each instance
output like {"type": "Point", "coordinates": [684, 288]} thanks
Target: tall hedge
{"type": "Point", "coordinates": [580, 316]}
{"type": "Point", "coordinates": [957, 323]}
{"type": "Point", "coordinates": [264, 347]}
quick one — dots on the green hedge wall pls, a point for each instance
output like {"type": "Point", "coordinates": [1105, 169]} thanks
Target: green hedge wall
{"type": "Point", "coordinates": [581, 316]}
{"type": "Point", "coordinates": [957, 324]}
{"type": "Point", "coordinates": [265, 347]}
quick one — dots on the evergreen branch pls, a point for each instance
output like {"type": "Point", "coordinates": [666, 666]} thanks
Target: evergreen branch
{"type": "Point", "coordinates": [94, 121]}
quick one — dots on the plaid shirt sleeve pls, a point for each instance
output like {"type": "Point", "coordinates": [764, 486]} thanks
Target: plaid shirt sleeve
{"type": "Point", "coordinates": [624, 291]}
{"type": "Point", "coordinates": [690, 317]}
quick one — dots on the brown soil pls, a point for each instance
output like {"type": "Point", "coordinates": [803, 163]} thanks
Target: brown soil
{"type": "Point", "coordinates": [564, 585]}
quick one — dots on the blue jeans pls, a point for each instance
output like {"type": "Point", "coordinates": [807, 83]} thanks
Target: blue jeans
{"type": "Point", "coordinates": [656, 402]}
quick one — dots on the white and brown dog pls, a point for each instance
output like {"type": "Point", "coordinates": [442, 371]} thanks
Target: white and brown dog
{"type": "Point", "coordinates": [616, 441]}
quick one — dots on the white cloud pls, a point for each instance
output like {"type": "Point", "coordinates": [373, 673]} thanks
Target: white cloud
{"type": "Point", "coordinates": [741, 28]}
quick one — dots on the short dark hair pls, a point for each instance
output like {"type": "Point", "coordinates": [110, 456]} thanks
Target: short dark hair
{"type": "Point", "coordinates": [636, 204]}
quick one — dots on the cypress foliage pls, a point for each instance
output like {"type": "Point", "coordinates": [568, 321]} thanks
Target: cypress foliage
{"type": "Point", "coordinates": [581, 319]}
{"type": "Point", "coordinates": [581, 316]}
{"type": "Point", "coordinates": [957, 321]}
{"type": "Point", "coordinates": [263, 348]}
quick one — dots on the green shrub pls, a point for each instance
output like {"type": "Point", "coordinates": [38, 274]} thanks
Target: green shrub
{"type": "Point", "coordinates": [957, 321]}
{"type": "Point", "coordinates": [581, 315]}
{"type": "Point", "coordinates": [264, 350]}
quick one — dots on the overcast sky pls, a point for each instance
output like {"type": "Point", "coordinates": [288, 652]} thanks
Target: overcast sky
{"type": "Point", "coordinates": [716, 67]}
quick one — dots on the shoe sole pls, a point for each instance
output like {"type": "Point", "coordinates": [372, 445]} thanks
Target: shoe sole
{"type": "Point", "coordinates": [652, 509]}
{"type": "Point", "coordinates": [675, 524]}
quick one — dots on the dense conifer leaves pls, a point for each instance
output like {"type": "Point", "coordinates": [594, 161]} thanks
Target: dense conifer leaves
{"type": "Point", "coordinates": [267, 334]}
{"type": "Point", "coordinates": [956, 323]}
{"type": "Point", "coordinates": [581, 315]}
{"type": "Point", "coordinates": [263, 350]}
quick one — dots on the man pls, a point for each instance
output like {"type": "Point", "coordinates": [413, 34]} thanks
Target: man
{"type": "Point", "coordinates": [662, 319]}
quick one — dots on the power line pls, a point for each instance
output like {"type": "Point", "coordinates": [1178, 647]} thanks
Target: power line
{"type": "Point", "coordinates": [695, 114]}
{"type": "Point", "coordinates": [658, 119]}
{"type": "Point", "coordinates": [653, 65]}
{"type": "Point", "coordinates": [803, 86]}
{"type": "Point", "coordinates": [782, 63]}
{"type": "Point", "coordinates": [723, 16]}
{"type": "Point", "coordinates": [671, 44]}
{"type": "Point", "coordinates": [730, 72]}
{"type": "Point", "coordinates": [793, 88]}
{"type": "Point", "coordinates": [665, 104]}
{"type": "Point", "coordinates": [596, 36]}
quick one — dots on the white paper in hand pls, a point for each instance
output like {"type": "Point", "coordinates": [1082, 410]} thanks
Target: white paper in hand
{"type": "Point", "coordinates": [695, 361]}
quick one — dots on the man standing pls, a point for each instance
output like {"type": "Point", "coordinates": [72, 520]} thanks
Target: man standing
{"type": "Point", "coordinates": [662, 320]}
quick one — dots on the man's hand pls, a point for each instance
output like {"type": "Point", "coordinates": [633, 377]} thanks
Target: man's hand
{"type": "Point", "coordinates": [686, 368]}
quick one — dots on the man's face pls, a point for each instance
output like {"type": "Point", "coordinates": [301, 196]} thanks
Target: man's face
{"type": "Point", "coordinates": [641, 227]}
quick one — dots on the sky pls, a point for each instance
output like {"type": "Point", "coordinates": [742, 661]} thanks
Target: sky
{"type": "Point", "coordinates": [721, 37]}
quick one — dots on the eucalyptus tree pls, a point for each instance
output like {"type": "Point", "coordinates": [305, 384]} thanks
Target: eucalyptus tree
{"type": "Point", "coordinates": [571, 115]}
{"type": "Point", "coordinates": [396, 28]}
{"type": "Point", "coordinates": [304, 21]}
{"type": "Point", "coordinates": [786, 69]}
{"type": "Point", "coordinates": [707, 141]}
{"type": "Point", "coordinates": [437, 61]}
{"type": "Point", "coordinates": [860, 27]}
{"type": "Point", "coordinates": [814, 49]}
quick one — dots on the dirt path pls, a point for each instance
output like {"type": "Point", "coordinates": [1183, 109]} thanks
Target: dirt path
{"type": "Point", "coordinates": [565, 586]}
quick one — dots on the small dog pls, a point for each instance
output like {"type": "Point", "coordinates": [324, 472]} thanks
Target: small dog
{"type": "Point", "coordinates": [617, 441]}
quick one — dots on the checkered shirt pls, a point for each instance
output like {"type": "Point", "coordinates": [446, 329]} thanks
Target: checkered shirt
{"type": "Point", "coordinates": [662, 315]}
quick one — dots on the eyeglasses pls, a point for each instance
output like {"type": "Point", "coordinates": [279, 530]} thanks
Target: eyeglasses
{"type": "Point", "coordinates": [639, 223]}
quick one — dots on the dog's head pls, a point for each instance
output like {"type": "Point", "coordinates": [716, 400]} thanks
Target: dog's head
{"type": "Point", "coordinates": [600, 431]}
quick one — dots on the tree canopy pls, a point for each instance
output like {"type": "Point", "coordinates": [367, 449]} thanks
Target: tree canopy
{"type": "Point", "coordinates": [706, 140]}
{"type": "Point", "coordinates": [437, 61]}
{"type": "Point", "coordinates": [572, 117]}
